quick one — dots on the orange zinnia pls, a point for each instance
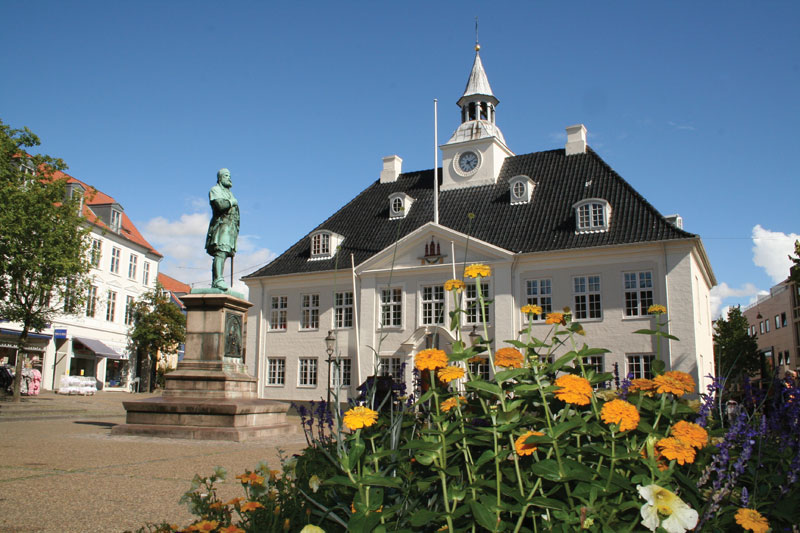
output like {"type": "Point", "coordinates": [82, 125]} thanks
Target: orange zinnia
{"type": "Point", "coordinates": [454, 285]}
{"type": "Point", "coordinates": [449, 373]}
{"type": "Point", "coordinates": [690, 433]}
{"type": "Point", "coordinates": [673, 448]}
{"type": "Point", "coordinates": [622, 413]}
{"type": "Point", "coordinates": [251, 478]}
{"type": "Point", "coordinates": [752, 520]}
{"type": "Point", "coordinates": [526, 449]}
{"type": "Point", "coordinates": [674, 382]}
{"type": "Point", "coordinates": [232, 529]}
{"type": "Point", "coordinates": [687, 380]}
{"type": "Point", "coordinates": [359, 417]}
{"type": "Point", "coordinates": [642, 384]}
{"type": "Point", "coordinates": [656, 310]}
{"type": "Point", "coordinates": [555, 318]}
{"type": "Point", "coordinates": [531, 309]}
{"type": "Point", "coordinates": [574, 389]}
{"type": "Point", "coordinates": [251, 506]}
{"type": "Point", "coordinates": [508, 358]}
{"type": "Point", "coordinates": [478, 269]}
{"type": "Point", "coordinates": [451, 402]}
{"type": "Point", "coordinates": [476, 359]}
{"type": "Point", "coordinates": [430, 359]}
{"type": "Point", "coordinates": [206, 525]}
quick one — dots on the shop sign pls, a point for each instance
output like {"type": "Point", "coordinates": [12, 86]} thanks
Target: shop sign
{"type": "Point", "coordinates": [60, 333]}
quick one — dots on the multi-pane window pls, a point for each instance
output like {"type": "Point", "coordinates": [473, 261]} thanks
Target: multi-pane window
{"type": "Point", "coordinates": [134, 261]}
{"type": "Point", "coordinates": [639, 365]}
{"type": "Point", "coordinates": [391, 308]}
{"type": "Point", "coordinates": [472, 303]}
{"type": "Point", "coordinates": [116, 255]}
{"type": "Point", "coordinates": [343, 309]}
{"type": "Point", "coordinates": [595, 362]}
{"type": "Point", "coordinates": [587, 297]}
{"type": "Point", "coordinates": [433, 305]}
{"type": "Point", "coordinates": [307, 372]}
{"type": "Point", "coordinates": [321, 244]}
{"type": "Point", "coordinates": [278, 307]}
{"type": "Point", "coordinates": [129, 310]}
{"type": "Point", "coordinates": [391, 366]}
{"type": "Point", "coordinates": [309, 312]}
{"type": "Point", "coordinates": [342, 370]}
{"type": "Point", "coordinates": [592, 216]}
{"type": "Point", "coordinates": [116, 219]}
{"type": "Point", "coordinates": [540, 292]}
{"type": "Point", "coordinates": [638, 292]}
{"type": "Point", "coordinates": [96, 252]}
{"type": "Point", "coordinates": [276, 371]}
{"type": "Point", "coordinates": [480, 369]}
{"type": "Point", "coordinates": [111, 305]}
{"type": "Point", "coordinates": [146, 273]}
{"type": "Point", "coordinates": [91, 301]}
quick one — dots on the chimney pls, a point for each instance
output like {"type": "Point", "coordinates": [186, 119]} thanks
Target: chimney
{"type": "Point", "coordinates": [576, 139]}
{"type": "Point", "coordinates": [392, 167]}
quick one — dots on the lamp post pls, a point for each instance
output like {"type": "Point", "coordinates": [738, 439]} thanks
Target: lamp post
{"type": "Point", "coordinates": [473, 336]}
{"type": "Point", "coordinates": [330, 344]}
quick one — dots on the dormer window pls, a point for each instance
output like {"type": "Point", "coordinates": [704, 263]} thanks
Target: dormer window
{"type": "Point", "coordinates": [324, 244]}
{"type": "Point", "coordinates": [399, 205]}
{"type": "Point", "coordinates": [592, 215]}
{"type": "Point", "coordinates": [116, 220]}
{"type": "Point", "coordinates": [521, 188]}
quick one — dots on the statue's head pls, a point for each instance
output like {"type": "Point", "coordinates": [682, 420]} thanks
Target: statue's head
{"type": "Point", "coordinates": [224, 177]}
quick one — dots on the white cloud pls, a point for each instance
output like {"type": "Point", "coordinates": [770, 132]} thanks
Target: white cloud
{"type": "Point", "coordinates": [723, 291]}
{"type": "Point", "coordinates": [771, 251]}
{"type": "Point", "coordinates": [680, 126]}
{"type": "Point", "coordinates": [182, 242]}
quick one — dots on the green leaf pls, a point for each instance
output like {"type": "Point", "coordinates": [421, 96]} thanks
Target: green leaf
{"type": "Point", "coordinates": [340, 481]}
{"type": "Point", "coordinates": [381, 481]}
{"type": "Point", "coordinates": [505, 375]}
{"type": "Point", "coordinates": [547, 503]}
{"type": "Point", "coordinates": [547, 469]}
{"type": "Point", "coordinates": [482, 515]}
{"type": "Point", "coordinates": [356, 450]}
{"type": "Point", "coordinates": [485, 386]}
{"type": "Point", "coordinates": [485, 457]}
{"type": "Point", "coordinates": [646, 331]}
{"type": "Point", "coordinates": [563, 427]}
{"type": "Point", "coordinates": [422, 517]}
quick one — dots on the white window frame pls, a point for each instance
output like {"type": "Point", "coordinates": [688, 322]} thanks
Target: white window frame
{"type": "Point", "coordinates": [432, 306]}
{"type": "Point", "coordinates": [481, 370]}
{"type": "Point", "coordinates": [96, 253]}
{"type": "Point", "coordinates": [133, 263]}
{"type": "Point", "coordinates": [343, 310]}
{"type": "Point", "coordinates": [399, 211]}
{"type": "Point", "coordinates": [391, 308]}
{"type": "Point", "coordinates": [640, 365]}
{"type": "Point", "coordinates": [586, 294]}
{"type": "Point", "coordinates": [638, 293]}
{"type": "Point", "coordinates": [146, 273]}
{"type": "Point", "coordinates": [598, 364]}
{"type": "Point", "coordinates": [777, 321]}
{"type": "Point", "coordinates": [307, 372]}
{"type": "Point", "coordinates": [592, 215]}
{"type": "Point", "coordinates": [276, 371]}
{"type": "Point", "coordinates": [279, 310]}
{"type": "Point", "coordinates": [111, 305]}
{"type": "Point", "coordinates": [524, 186]}
{"type": "Point", "coordinates": [129, 301]}
{"type": "Point", "coordinates": [91, 302]}
{"type": "Point", "coordinates": [539, 292]}
{"type": "Point", "coordinates": [766, 325]}
{"type": "Point", "coordinates": [391, 365]}
{"type": "Point", "coordinates": [341, 373]}
{"type": "Point", "coordinates": [761, 326]}
{"type": "Point", "coordinates": [116, 258]}
{"type": "Point", "coordinates": [309, 312]}
{"type": "Point", "coordinates": [116, 220]}
{"type": "Point", "coordinates": [321, 245]}
{"type": "Point", "coordinates": [472, 315]}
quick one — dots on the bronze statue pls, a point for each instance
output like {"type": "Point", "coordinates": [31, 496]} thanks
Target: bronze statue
{"type": "Point", "coordinates": [223, 229]}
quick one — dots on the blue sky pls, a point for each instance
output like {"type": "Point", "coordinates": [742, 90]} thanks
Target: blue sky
{"type": "Point", "coordinates": [693, 103]}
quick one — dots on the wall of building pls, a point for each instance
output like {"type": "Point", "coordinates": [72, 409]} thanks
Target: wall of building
{"type": "Point", "coordinates": [777, 339]}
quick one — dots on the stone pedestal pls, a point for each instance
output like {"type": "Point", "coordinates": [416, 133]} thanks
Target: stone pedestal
{"type": "Point", "coordinates": [210, 396]}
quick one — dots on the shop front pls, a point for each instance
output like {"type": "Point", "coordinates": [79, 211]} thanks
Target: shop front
{"type": "Point", "coordinates": [91, 357]}
{"type": "Point", "coordinates": [33, 357]}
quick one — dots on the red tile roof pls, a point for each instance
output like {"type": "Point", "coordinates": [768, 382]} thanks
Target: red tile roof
{"type": "Point", "coordinates": [173, 285]}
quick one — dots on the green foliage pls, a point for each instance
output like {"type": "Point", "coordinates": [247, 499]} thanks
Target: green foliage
{"type": "Point", "coordinates": [794, 270]}
{"type": "Point", "coordinates": [159, 326]}
{"type": "Point", "coordinates": [737, 352]}
{"type": "Point", "coordinates": [43, 246]}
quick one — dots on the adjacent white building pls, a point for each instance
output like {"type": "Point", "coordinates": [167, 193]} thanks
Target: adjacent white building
{"type": "Point", "coordinates": [558, 228]}
{"type": "Point", "coordinates": [94, 342]}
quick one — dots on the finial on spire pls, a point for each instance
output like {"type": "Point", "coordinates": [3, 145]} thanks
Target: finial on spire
{"type": "Point", "coordinates": [477, 44]}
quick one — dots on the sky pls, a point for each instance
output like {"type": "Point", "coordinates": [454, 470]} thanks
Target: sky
{"type": "Point", "coordinates": [693, 103]}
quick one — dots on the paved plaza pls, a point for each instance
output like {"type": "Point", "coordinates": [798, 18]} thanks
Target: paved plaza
{"type": "Point", "coordinates": [63, 471]}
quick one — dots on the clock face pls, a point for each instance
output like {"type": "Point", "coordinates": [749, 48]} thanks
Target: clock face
{"type": "Point", "coordinates": [468, 161]}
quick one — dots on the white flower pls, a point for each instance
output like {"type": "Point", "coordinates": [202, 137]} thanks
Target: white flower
{"type": "Point", "coordinates": [314, 483]}
{"type": "Point", "coordinates": [679, 516]}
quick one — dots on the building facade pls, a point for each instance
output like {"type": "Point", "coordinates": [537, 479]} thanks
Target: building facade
{"type": "Point", "coordinates": [94, 343]}
{"type": "Point", "coordinates": [558, 228]}
{"type": "Point", "coordinates": [775, 322]}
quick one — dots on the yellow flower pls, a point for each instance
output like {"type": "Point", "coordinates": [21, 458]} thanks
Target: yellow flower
{"type": "Point", "coordinates": [526, 449]}
{"type": "Point", "coordinates": [656, 310]}
{"type": "Point", "coordinates": [449, 373]}
{"type": "Point", "coordinates": [690, 433]}
{"type": "Point", "coordinates": [642, 384]}
{"type": "Point", "coordinates": [312, 529]}
{"type": "Point", "coordinates": [251, 506]}
{"type": "Point", "coordinates": [273, 475]}
{"type": "Point", "coordinates": [476, 270]}
{"type": "Point", "coordinates": [251, 478]}
{"type": "Point", "coordinates": [622, 413]}
{"type": "Point", "coordinates": [752, 520]}
{"type": "Point", "coordinates": [508, 358]}
{"type": "Point", "coordinates": [430, 359]}
{"type": "Point", "coordinates": [216, 505]}
{"type": "Point", "coordinates": [574, 389]}
{"type": "Point", "coordinates": [555, 318]}
{"type": "Point", "coordinates": [360, 417]}
{"type": "Point", "coordinates": [451, 402]}
{"type": "Point", "coordinates": [677, 383]}
{"type": "Point", "coordinates": [673, 448]}
{"type": "Point", "coordinates": [287, 524]}
{"type": "Point", "coordinates": [454, 285]}
{"type": "Point", "coordinates": [314, 483]}
{"type": "Point", "coordinates": [531, 309]}
{"type": "Point", "coordinates": [662, 502]}
{"type": "Point", "coordinates": [232, 529]}
{"type": "Point", "coordinates": [476, 359]}
{"type": "Point", "coordinates": [235, 501]}
{"type": "Point", "coordinates": [206, 525]}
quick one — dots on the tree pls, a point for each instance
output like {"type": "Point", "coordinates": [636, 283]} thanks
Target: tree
{"type": "Point", "coordinates": [736, 350]}
{"type": "Point", "coordinates": [159, 326]}
{"type": "Point", "coordinates": [44, 261]}
{"type": "Point", "coordinates": [794, 270]}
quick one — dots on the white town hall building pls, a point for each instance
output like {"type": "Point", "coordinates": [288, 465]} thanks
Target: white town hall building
{"type": "Point", "coordinates": [558, 228]}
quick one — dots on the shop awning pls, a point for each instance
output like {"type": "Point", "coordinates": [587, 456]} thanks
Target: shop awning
{"type": "Point", "coordinates": [100, 349]}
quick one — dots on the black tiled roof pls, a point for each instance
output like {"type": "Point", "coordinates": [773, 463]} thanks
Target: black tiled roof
{"type": "Point", "coordinates": [546, 223]}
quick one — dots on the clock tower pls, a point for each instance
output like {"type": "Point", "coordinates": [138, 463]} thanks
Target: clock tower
{"type": "Point", "coordinates": [475, 152]}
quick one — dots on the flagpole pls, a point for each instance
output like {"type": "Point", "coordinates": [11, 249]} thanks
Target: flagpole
{"type": "Point", "coordinates": [435, 161]}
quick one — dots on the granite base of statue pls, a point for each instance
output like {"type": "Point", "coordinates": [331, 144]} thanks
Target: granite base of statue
{"type": "Point", "coordinates": [210, 396]}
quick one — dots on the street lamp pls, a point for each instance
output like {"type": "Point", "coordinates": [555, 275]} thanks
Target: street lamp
{"type": "Point", "coordinates": [473, 336]}
{"type": "Point", "coordinates": [330, 345]}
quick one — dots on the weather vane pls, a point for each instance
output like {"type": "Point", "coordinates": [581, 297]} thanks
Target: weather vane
{"type": "Point", "coordinates": [477, 43]}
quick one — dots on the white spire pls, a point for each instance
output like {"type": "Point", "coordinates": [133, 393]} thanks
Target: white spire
{"type": "Point", "coordinates": [478, 83]}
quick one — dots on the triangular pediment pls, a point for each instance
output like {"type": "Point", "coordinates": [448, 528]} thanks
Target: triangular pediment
{"type": "Point", "coordinates": [432, 245]}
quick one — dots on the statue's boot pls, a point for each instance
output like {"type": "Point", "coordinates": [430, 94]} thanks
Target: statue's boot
{"type": "Point", "coordinates": [217, 266]}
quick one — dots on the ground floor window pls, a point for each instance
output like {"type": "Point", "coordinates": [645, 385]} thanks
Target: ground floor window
{"type": "Point", "coordinates": [639, 366]}
{"type": "Point", "coordinates": [116, 373]}
{"type": "Point", "coordinates": [276, 371]}
{"type": "Point", "coordinates": [391, 366]}
{"type": "Point", "coordinates": [341, 370]}
{"type": "Point", "coordinates": [83, 366]}
{"type": "Point", "coordinates": [595, 362]}
{"type": "Point", "coordinates": [307, 372]}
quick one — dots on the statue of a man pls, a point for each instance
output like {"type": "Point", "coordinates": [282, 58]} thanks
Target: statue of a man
{"type": "Point", "coordinates": [224, 227]}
